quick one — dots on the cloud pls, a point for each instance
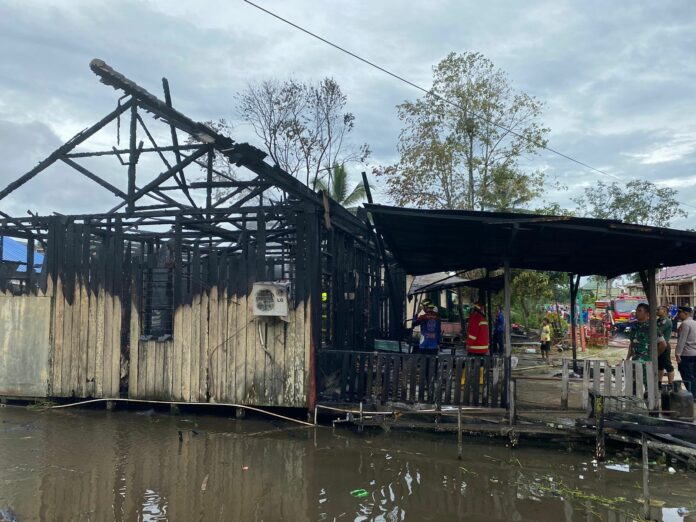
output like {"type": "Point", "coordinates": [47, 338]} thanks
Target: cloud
{"type": "Point", "coordinates": [679, 147]}
{"type": "Point", "coordinates": [617, 79]}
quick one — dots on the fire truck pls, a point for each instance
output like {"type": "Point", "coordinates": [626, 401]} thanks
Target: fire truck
{"type": "Point", "coordinates": [618, 311]}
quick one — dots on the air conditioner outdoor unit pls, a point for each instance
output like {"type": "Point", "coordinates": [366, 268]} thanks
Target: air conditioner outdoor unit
{"type": "Point", "coordinates": [270, 299]}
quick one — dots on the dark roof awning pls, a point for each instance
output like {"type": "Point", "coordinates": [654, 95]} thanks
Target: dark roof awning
{"type": "Point", "coordinates": [426, 241]}
{"type": "Point", "coordinates": [438, 281]}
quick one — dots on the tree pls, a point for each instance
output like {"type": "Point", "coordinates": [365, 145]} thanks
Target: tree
{"type": "Point", "coordinates": [461, 142]}
{"type": "Point", "coordinates": [302, 126]}
{"type": "Point", "coordinates": [638, 201]}
{"type": "Point", "coordinates": [530, 289]}
{"type": "Point", "coordinates": [337, 188]}
{"type": "Point", "coordinates": [223, 170]}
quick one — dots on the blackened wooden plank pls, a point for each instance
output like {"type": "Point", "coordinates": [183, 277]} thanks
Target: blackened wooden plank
{"type": "Point", "coordinates": [396, 372]}
{"type": "Point", "coordinates": [487, 401]}
{"type": "Point", "coordinates": [404, 377]}
{"type": "Point", "coordinates": [496, 375]}
{"type": "Point", "coordinates": [412, 375]}
{"type": "Point", "coordinates": [468, 377]}
{"type": "Point", "coordinates": [370, 369]}
{"type": "Point", "coordinates": [505, 383]}
{"type": "Point", "coordinates": [422, 382]}
{"type": "Point", "coordinates": [31, 274]}
{"type": "Point", "coordinates": [196, 269]}
{"type": "Point", "coordinates": [352, 374]}
{"type": "Point", "coordinates": [432, 375]}
{"type": "Point", "coordinates": [344, 374]}
{"type": "Point", "coordinates": [477, 382]}
{"type": "Point", "coordinates": [360, 391]}
{"type": "Point", "coordinates": [385, 376]}
{"type": "Point", "coordinates": [178, 279]}
{"type": "Point", "coordinates": [459, 368]}
{"type": "Point", "coordinates": [448, 380]}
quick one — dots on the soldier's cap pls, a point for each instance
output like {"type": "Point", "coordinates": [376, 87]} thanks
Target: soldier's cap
{"type": "Point", "coordinates": [686, 309]}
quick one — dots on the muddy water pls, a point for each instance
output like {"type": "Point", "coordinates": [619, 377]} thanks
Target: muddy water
{"type": "Point", "coordinates": [98, 465]}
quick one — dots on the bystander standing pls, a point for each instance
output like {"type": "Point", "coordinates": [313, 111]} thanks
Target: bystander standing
{"type": "Point", "coordinates": [686, 347]}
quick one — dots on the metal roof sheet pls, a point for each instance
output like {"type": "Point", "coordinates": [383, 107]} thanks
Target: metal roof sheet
{"type": "Point", "coordinates": [16, 252]}
{"type": "Point", "coordinates": [426, 241]}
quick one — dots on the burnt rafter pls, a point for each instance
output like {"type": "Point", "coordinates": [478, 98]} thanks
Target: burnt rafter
{"type": "Point", "coordinates": [140, 191]}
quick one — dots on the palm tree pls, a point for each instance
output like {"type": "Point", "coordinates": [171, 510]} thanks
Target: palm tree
{"type": "Point", "coordinates": [337, 188]}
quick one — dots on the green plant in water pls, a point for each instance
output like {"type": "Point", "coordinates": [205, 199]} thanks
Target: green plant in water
{"type": "Point", "coordinates": [41, 405]}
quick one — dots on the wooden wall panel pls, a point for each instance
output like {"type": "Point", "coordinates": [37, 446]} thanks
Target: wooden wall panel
{"type": "Point", "coordinates": [25, 346]}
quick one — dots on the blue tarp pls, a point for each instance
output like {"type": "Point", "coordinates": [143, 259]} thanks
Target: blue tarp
{"type": "Point", "coordinates": [15, 251]}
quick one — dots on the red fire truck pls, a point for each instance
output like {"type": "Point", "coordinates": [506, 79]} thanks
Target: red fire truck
{"type": "Point", "coordinates": [619, 310]}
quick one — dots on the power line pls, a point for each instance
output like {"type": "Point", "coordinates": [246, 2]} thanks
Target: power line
{"type": "Point", "coordinates": [441, 98]}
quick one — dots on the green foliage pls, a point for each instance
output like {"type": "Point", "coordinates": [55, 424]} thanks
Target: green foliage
{"type": "Point", "coordinates": [337, 187]}
{"type": "Point", "coordinates": [637, 201]}
{"type": "Point", "coordinates": [458, 155]}
{"type": "Point", "coordinates": [530, 289]}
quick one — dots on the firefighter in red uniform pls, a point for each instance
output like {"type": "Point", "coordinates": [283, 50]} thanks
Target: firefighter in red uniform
{"type": "Point", "coordinates": [477, 332]}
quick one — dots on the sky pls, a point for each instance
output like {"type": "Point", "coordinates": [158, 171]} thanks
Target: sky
{"type": "Point", "coordinates": [616, 78]}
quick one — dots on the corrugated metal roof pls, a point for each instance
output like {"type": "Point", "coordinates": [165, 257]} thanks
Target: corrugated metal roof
{"type": "Point", "coordinates": [16, 252]}
{"type": "Point", "coordinates": [426, 241]}
{"type": "Point", "coordinates": [677, 272]}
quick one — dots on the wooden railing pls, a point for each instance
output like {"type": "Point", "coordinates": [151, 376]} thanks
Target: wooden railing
{"type": "Point", "coordinates": [349, 376]}
{"type": "Point", "coordinates": [629, 379]}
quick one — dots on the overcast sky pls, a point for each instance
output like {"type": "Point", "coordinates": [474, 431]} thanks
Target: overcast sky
{"type": "Point", "coordinates": [617, 78]}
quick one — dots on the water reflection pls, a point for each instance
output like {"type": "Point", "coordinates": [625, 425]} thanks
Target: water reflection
{"type": "Point", "coordinates": [94, 465]}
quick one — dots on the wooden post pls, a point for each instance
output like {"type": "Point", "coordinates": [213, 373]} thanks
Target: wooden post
{"type": "Point", "coordinates": [574, 285]}
{"type": "Point", "coordinates": [652, 300]}
{"type": "Point", "coordinates": [600, 449]}
{"type": "Point", "coordinates": [565, 384]}
{"type": "Point", "coordinates": [513, 406]}
{"type": "Point", "coordinates": [31, 274]}
{"type": "Point", "coordinates": [506, 310]}
{"type": "Point", "coordinates": [459, 432]}
{"type": "Point", "coordinates": [489, 311]}
{"type": "Point", "coordinates": [132, 156]}
{"type": "Point", "coordinates": [646, 476]}
{"type": "Point", "coordinates": [586, 386]}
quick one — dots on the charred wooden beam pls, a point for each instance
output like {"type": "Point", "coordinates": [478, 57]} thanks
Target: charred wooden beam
{"type": "Point", "coordinates": [118, 152]}
{"type": "Point", "coordinates": [65, 148]}
{"type": "Point", "coordinates": [82, 170]}
{"type": "Point", "coordinates": [166, 175]}
{"type": "Point", "coordinates": [241, 154]}
{"type": "Point", "coordinates": [229, 184]}
{"type": "Point", "coordinates": [175, 142]}
{"type": "Point", "coordinates": [181, 185]}
{"type": "Point", "coordinates": [132, 155]}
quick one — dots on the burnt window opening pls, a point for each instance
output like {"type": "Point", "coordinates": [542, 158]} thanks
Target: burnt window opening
{"type": "Point", "coordinates": [157, 308]}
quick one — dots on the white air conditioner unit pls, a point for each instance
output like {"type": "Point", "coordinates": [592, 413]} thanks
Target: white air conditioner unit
{"type": "Point", "coordinates": [270, 299]}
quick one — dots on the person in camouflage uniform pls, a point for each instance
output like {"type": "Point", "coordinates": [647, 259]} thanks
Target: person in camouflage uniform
{"type": "Point", "coordinates": [639, 348]}
{"type": "Point", "coordinates": [664, 359]}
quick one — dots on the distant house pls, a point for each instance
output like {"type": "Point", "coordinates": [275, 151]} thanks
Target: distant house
{"type": "Point", "coordinates": [599, 291]}
{"type": "Point", "coordinates": [14, 259]}
{"type": "Point", "coordinates": [16, 252]}
{"type": "Point", "coordinates": [677, 285]}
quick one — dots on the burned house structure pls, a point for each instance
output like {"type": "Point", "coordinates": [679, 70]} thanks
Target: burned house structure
{"type": "Point", "coordinates": [175, 294]}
